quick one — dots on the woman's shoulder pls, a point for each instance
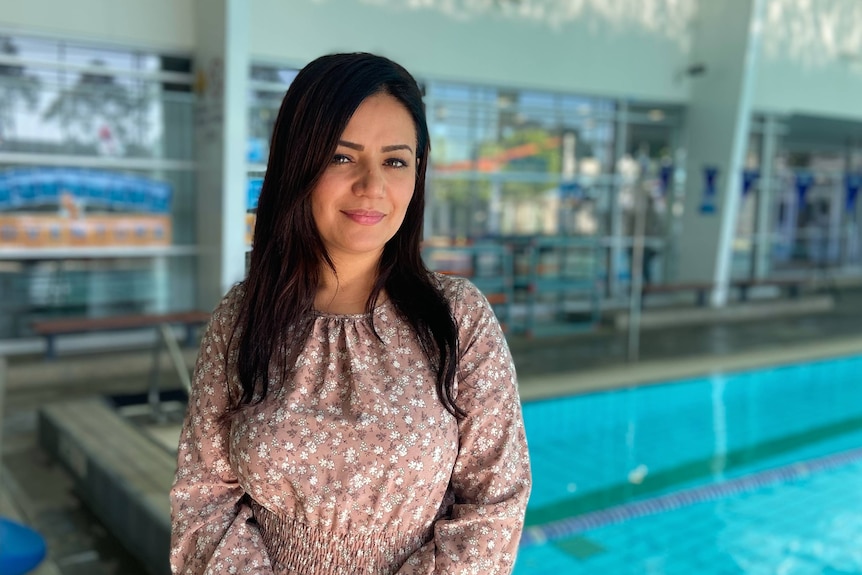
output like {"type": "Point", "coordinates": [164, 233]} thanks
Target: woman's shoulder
{"type": "Point", "coordinates": [457, 290]}
{"type": "Point", "coordinates": [226, 312]}
{"type": "Point", "coordinates": [450, 286]}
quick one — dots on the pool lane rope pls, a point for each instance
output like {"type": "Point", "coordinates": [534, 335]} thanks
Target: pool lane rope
{"type": "Point", "coordinates": [564, 528]}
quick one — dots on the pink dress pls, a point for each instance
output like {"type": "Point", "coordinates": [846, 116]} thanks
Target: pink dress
{"type": "Point", "coordinates": [354, 466]}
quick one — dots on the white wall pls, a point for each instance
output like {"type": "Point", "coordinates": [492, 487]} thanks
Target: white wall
{"type": "Point", "coordinates": [602, 47]}
{"type": "Point", "coordinates": [221, 128]}
{"type": "Point", "coordinates": [811, 60]}
{"type": "Point", "coordinates": [717, 121]}
{"type": "Point", "coordinates": [164, 24]}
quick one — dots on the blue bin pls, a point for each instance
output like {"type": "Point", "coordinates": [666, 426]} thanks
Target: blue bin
{"type": "Point", "coordinates": [21, 548]}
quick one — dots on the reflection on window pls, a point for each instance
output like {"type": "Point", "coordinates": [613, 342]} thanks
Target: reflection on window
{"type": "Point", "coordinates": [61, 98]}
{"type": "Point", "coordinates": [268, 85]}
{"type": "Point", "coordinates": [522, 162]}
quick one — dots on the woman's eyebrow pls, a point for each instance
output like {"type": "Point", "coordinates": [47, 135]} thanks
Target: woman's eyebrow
{"type": "Point", "coordinates": [360, 147]}
{"type": "Point", "coordinates": [351, 145]}
{"type": "Point", "coordinates": [396, 147]}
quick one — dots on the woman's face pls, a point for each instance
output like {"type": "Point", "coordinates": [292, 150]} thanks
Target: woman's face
{"type": "Point", "coordinates": [360, 201]}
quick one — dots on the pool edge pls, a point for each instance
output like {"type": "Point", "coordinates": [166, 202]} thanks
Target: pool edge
{"type": "Point", "coordinates": [533, 388]}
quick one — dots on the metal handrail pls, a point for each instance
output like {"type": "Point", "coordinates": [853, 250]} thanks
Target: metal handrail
{"type": "Point", "coordinates": [165, 335]}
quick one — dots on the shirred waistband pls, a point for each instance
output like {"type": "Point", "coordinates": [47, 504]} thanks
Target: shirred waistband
{"type": "Point", "coordinates": [296, 547]}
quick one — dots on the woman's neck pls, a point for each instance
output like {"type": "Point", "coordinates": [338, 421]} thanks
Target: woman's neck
{"type": "Point", "coordinates": [347, 291]}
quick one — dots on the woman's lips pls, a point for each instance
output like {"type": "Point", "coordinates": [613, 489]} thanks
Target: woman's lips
{"type": "Point", "coordinates": [364, 217]}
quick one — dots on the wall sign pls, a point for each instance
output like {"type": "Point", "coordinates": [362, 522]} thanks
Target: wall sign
{"type": "Point", "coordinates": [804, 181]}
{"type": "Point", "coordinates": [749, 178]}
{"type": "Point", "coordinates": [710, 190]}
{"type": "Point", "coordinates": [62, 207]}
{"type": "Point", "coordinates": [852, 183]}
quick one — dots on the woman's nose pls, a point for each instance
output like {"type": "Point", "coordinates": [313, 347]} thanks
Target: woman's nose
{"type": "Point", "coordinates": [370, 183]}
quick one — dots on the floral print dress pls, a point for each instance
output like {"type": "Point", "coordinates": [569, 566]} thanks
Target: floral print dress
{"type": "Point", "coordinates": [354, 466]}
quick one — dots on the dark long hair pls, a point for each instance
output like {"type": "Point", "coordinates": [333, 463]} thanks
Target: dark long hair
{"type": "Point", "coordinates": [276, 315]}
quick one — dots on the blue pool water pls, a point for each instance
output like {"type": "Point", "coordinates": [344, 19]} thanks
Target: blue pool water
{"type": "Point", "coordinates": [754, 472]}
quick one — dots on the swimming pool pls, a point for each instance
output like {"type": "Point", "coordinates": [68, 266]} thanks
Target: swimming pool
{"type": "Point", "coordinates": [752, 472]}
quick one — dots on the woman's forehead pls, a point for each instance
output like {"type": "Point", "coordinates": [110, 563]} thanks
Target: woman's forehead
{"type": "Point", "coordinates": [381, 116]}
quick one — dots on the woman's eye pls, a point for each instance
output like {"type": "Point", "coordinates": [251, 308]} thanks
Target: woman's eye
{"type": "Point", "coordinates": [396, 163]}
{"type": "Point", "coordinates": [340, 159]}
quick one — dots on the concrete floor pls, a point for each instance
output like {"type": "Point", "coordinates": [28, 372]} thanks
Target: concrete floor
{"type": "Point", "coordinates": [40, 492]}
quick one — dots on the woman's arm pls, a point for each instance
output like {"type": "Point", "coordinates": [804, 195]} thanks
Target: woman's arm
{"type": "Point", "coordinates": [211, 527]}
{"type": "Point", "coordinates": [491, 477]}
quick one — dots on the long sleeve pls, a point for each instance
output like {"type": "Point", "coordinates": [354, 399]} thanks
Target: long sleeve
{"type": "Point", "coordinates": [491, 478]}
{"type": "Point", "coordinates": [212, 531]}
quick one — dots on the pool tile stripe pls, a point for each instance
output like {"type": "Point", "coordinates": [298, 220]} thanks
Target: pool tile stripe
{"type": "Point", "coordinates": [579, 547]}
{"type": "Point", "coordinates": [570, 526]}
{"type": "Point", "coordinates": [701, 469]}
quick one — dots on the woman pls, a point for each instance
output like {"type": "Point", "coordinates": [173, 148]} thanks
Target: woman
{"type": "Point", "coordinates": [351, 412]}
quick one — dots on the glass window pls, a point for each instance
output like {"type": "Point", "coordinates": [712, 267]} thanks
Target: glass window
{"type": "Point", "coordinates": [268, 85]}
{"type": "Point", "coordinates": [813, 219]}
{"type": "Point", "coordinates": [97, 181]}
{"type": "Point", "coordinates": [526, 152]}
{"type": "Point", "coordinates": [76, 101]}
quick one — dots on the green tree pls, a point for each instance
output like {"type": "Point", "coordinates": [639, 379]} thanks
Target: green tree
{"type": "Point", "coordinates": [97, 101]}
{"type": "Point", "coordinates": [15, 85]}
{"type": "Point", "coordinates": [530, 149]}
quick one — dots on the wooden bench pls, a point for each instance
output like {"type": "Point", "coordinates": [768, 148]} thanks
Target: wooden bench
{"type": "Point", "coordinates": [792, 287]}
{"type": "Point", "coordinates": [699, 288]}
{"type": "Point", "coordinates": [51, 329]}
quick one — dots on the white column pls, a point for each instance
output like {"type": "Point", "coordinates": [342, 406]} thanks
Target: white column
{"type": "Point", "coordinates": [161, 298]}
{"type": "Point", "coordinates": [3, 365]}
{"type": "Point", "coordinates": [725, 43]}
{"type": "Point", "coordinates": [221, 123]}
{"type": "Point", "coordinates": [763, 228]}
{"type": "Point", "coordinates": [495, 209]}
{"type": "Point", "coordinates": [832, 243]}
{"type": "Point", "coordinates": [616, 223]}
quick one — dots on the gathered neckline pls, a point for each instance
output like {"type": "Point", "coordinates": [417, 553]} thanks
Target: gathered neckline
{"type": "Point", "coordinates": [353, 316]}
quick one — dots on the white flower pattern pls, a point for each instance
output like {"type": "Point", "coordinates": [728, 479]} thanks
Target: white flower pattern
{"type": "Point", "coordinates": [354, 466]}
